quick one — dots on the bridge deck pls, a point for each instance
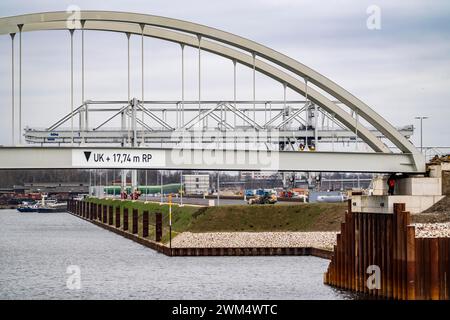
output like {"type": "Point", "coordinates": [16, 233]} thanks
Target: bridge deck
{"type": "Point", "coordinates": [178, 159]}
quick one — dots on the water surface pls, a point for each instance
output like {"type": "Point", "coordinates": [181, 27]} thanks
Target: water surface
{"type": "Point", "coordinates": [37, 248]}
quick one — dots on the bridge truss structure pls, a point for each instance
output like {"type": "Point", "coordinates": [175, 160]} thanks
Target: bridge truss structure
{"type": "Point", "coordinates": [304, 134]}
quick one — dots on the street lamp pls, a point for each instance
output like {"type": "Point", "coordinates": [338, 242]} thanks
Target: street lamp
{"type": "Point", "coordinates": [421, 118]}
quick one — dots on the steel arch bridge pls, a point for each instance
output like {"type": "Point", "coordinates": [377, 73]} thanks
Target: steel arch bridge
{"type": "Point", "coordinates": [343, 109]}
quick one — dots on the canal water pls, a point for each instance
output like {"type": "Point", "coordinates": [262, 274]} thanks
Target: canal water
{"type": "Point", "coordinates": [42, 253]}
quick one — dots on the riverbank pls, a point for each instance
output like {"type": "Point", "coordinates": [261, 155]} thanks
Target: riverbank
{"type": "Point", "coordinates": [288, 218]}
{"type": "Point", "coordinates": [210, 241]}
{"type": "Point", "coordinates": [199, 235]}
{"type": "Point", "coordinates": [242, 218]}
{"type": "Point", "coordinates": [201, 251]}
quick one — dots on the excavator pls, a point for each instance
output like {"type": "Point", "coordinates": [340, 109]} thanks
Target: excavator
{"type": "Point", "coordinates": [265, 198]}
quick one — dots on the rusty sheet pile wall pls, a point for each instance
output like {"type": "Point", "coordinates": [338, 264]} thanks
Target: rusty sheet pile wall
{"type": "Point", "coordinates": [409, 268]}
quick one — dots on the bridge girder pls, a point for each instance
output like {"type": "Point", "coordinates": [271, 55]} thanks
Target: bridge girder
{"type": "Point", "coordinates": [209, 159]}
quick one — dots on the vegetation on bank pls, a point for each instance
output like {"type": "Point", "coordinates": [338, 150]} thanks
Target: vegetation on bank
{"type": "Point", "coordinates": [256, 218]}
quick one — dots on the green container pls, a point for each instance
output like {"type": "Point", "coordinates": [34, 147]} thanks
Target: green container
{"type": "Point", "coordinates": [167, 188]}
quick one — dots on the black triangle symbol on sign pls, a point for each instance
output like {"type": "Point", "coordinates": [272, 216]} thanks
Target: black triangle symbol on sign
{"type": "Point", "coordinates": [87, 154]}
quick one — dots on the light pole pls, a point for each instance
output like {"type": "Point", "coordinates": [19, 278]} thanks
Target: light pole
{"type": "Point", "coordinates": [421, 118]}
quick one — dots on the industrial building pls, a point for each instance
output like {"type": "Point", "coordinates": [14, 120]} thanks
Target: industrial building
{"type": "Point", "coordinates": [196, 183]}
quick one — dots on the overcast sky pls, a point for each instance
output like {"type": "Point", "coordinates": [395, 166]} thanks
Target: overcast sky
{"type": "Point", "coordinates": [401, 70]}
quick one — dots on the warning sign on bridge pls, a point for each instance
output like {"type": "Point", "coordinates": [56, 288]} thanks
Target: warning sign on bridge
{"type": "Point", "coordinates": [118, 158]}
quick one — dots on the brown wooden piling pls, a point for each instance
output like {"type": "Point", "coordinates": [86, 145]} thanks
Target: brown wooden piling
{"type": "Point", "coordinates": [419, 269]}
{"type": "Point", "coordinates": [427, 268]}
{"type": "Point", "coordinates": [411, 263]}
{"type": "Point", "coordinates": [358, 257]}
{"type": "Point", "coordinates": [90, 210]}
{"type": "Point", "coordinates": [99, 212]}
{"type": "Point", "coordinates": [135, 222]}
{"type": "Point", "coordinates": [110, 215]}
{"type": "Point", "coordinates": [117, 218]}
{"type": "Point", "coordinates": [352, 249]}
{"type": "Point", "coordinates": [125, 219]}
{"type": "Point", "coordinates": [145, 224]}
{"type": "Point", "coordinates": [104, 213]}
{"type": "Point", "coordinates": [434, 268]}
{"type": "Point", "coordinates": [338, 260]}
{"type": "Point", "coordinates": [383, 266]}
{"type": "Point", "coordinates": [158, 226]}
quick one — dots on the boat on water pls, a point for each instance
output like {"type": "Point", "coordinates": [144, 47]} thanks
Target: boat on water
{"type": "Point", "coordinates": [28, 207]}
{"type": "Point", "coordinates": [53, 206]}
{"type": "Point", "coordinates": [43, 206]}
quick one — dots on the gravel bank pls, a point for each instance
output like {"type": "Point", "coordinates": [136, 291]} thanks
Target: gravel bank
{"type": "Point", "coordinates": [324, 240]}
{"type": "Point", "coordinates": [432, 230]}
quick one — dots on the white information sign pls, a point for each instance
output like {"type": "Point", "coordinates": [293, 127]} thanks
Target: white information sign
{"type": "Point", "coordinates": [118, 158]}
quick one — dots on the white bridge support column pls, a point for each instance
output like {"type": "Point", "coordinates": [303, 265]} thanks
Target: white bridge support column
{"type": "Point", "coordinates": [71, 86]}
{"type": "Point", "coordinates": [123, 180]}
{"type": "Point", "coordinates": [142, 85]}
{"type": "Point", "coordinates": [123, 126]}
{"type": "Point", "coordinates": [200, 80]}
{"type": "Point", "coordinates": [20, 26]}
{"type": "Point", "coordinates": [134, 182]}
{"type": "Point", "coordinates": [83, 111]}
{"type": "Point", "coordinates": [125, 119]}
{"type": "Point", "coordinates": [134, 106]}
{"type": "Point", "coordinates": [182, 87]}
{"type": "Point", "coordinates": [134, 143]}
{"type": "Point", "coordinates": [316, 123]}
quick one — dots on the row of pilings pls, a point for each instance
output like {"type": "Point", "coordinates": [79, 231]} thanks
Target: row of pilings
{"type": "Point", "coordinates": [108, 217]}
{"type": "Point", "coordinates": [379, 255]}
{"type": "Point", "coordinates": [111, 216]}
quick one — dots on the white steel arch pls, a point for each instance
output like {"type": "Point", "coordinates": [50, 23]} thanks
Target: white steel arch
{"type": "Point", "coordinates": [158, 27]}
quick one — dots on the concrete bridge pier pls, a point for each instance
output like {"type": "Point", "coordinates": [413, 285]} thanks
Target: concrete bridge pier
{"type": "Point", "coordinates": [418, 193]}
